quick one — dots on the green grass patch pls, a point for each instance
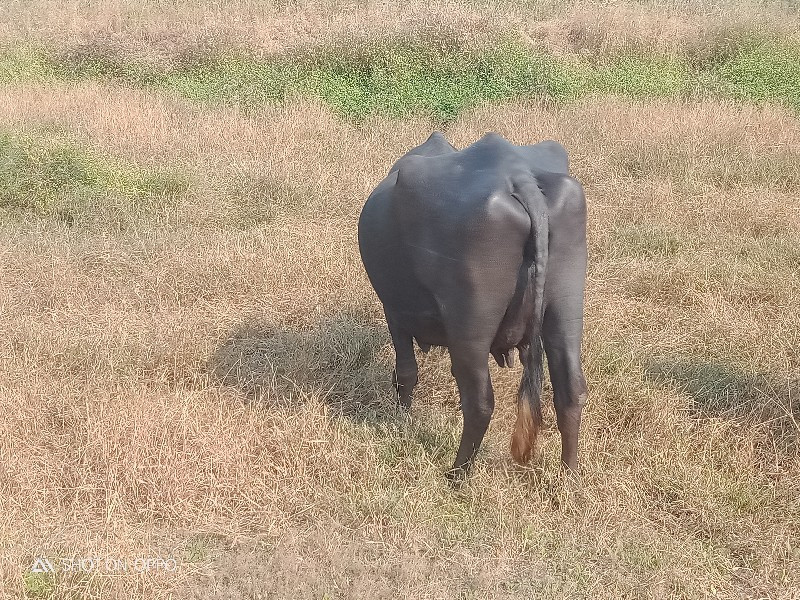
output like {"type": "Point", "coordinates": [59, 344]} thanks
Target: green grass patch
{"type": "Point", "coordinates": [39, 585]}
{"type": "Point", "coordinates": [24, 64]}
{"type": "Point", "coordinates": [396, 79]}
{"type": "Point", "coordinates": [641, 76]}
{"type": "Point", "coordinates": [203, 548]}
{"type": "Point", "coordinates": [759, 70]}
{"type": "Point", "coordinates": [232, 80]}
{"type": "Point", "coordinates": [646, 241]}
{"type": "Point", "coordinates": [54, 179]}
{"type": "Point", "coordinates": [440, 81]}
{"type": "Point", "coordinates": [98, 61]}
{"type": "Point", "coordinates": [440, 78]}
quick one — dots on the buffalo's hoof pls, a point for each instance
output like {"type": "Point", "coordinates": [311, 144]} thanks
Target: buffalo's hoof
{"type": "Point", "coordinates": [456, 477]}
{"type": "Point", "coordinates": [572, 476]}
{"type": "Point", "coordinates": [403, 408]}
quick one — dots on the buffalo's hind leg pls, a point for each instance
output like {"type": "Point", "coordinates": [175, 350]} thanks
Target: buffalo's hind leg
{"type": "Point", "coordinates": [562, 327]}
{"type": "Point", "coordinates": [404, 377]}
{"type": "Point", "coordinates": [471, 370]}
{"type": "Point", "coordinates": [562, 331]}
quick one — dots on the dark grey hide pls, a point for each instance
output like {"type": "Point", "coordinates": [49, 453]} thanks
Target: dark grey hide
{"type": "Point", "coordinates": [483, 250]}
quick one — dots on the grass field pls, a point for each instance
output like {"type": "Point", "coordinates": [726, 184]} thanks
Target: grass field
{"type": "Point", "coordinates": [195, 368]}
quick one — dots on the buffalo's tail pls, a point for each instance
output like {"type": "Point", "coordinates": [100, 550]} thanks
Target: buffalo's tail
{"type": "Point", "coordinates": [529, 407]}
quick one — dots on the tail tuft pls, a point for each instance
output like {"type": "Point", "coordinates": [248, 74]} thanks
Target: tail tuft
{"type": "Point", "coordinates": [529, 408]}
{"type": "Point", "coordinates": [523, 440]}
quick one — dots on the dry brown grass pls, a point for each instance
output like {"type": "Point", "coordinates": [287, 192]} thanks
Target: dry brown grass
{"type": "Point", "coordinates": [693, 28]}
{"type": "Point", "coordinates": [198, 385]}
{"type": "Point", "coordinates": [160, 33]}
{"type": "Point", "coordinates": [216, 388]}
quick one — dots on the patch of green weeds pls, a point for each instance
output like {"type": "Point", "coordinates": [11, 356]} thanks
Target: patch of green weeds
{"type": "Point", "coordinates": [52, 178]}
{"type": "Point", "coordinates": [95, 62]}
{"type": "Point", "coordinates": [236, 80]}
{"type": "Point", "coordinates": [758, 70]}
{"type": "Point", "coordinates": [436, 76]}
{"type": "Point", "coordinates": [647, 242]}
{"type": "Point", "coordinates": [641, 76]}
{"type": "Point", "coordinates": [202, 548]}
{"type": "Point", "coordinates": [25, 64]}
{"type": "Point", "coordinates": [39, 585]}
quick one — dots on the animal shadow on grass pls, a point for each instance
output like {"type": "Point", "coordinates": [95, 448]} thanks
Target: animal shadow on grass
{"type": "Point", "coordinates": [719, 390]}
{"type": "Point", "coordinates": [337, 359]}
{"type": "Point", "coordinates": [343, 360]}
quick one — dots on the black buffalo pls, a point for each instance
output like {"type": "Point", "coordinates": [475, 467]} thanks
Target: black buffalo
{"type": "Point", "coordinates": [483, 250]}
